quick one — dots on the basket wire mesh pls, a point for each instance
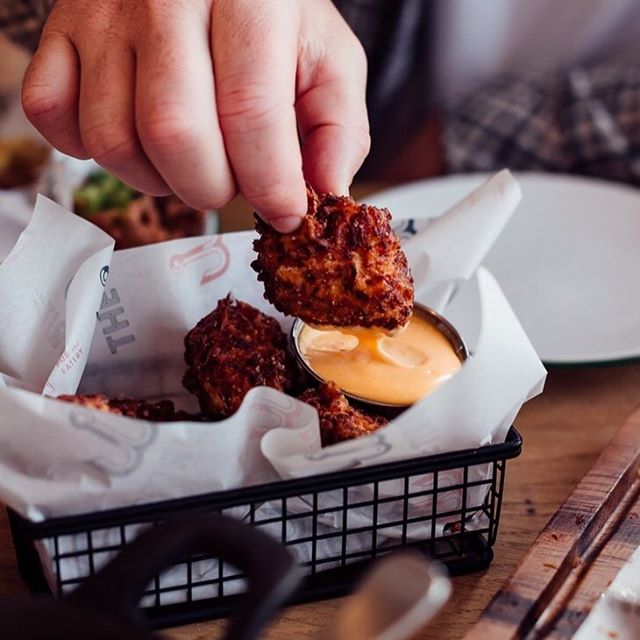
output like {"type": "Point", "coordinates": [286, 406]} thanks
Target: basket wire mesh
{"type": "Point", "coordinates": [446, 505]}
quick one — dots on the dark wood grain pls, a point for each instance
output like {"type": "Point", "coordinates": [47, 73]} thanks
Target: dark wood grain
{"type": "Point", "coordinates": [577, 554]}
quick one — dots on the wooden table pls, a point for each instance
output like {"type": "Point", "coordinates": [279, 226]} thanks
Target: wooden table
{"type": "Point", "coordinates": [564, 430]}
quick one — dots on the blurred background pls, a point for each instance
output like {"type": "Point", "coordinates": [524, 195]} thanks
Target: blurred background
{"type": "Point", "coordinates": [455, 86]}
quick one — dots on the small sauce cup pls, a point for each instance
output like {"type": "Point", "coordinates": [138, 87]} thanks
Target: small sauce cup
{"type": "Point", "coordinates": [441, 324]}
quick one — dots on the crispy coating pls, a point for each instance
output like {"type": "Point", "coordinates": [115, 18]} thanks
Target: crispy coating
{"type": "Point", "coordinates": [233, 349]}
{"type": "Point", "coordinates": [338, 419]}
{"type": "Point", "coordinates": [343, 266]}
{"type": "Point", "coordinates": [162, 411]}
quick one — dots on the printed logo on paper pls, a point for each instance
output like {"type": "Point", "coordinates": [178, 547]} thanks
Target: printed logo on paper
{"type": "Point", "coordinates": [104, 274]}
{"type": "Point", "coordinates": [213, 252]}
{"type": "Point", "coordinates": [70, 357]}
{"type": "Point", "coordinates": [113, 322]}
{"type": "Point", "coordinates": [405, 229]}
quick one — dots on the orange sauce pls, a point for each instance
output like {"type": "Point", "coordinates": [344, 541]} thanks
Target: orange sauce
{"type": "Point", "coordinates": [398, 369]}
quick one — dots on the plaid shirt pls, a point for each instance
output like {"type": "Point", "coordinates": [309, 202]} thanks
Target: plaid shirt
{"type": "Point", "coordinates": [584, 121]}
{"type": "Point", "coordinates": [22, 20]}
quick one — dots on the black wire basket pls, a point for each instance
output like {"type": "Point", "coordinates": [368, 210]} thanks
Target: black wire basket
{"type": "Point", "coordinates": [335, 523]}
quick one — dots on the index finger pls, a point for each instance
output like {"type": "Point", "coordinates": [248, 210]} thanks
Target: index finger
{"type": "Point", "coordinates": [254, 51]}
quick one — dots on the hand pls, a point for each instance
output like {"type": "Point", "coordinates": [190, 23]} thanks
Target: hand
{"type": "Point", "coordinates": [205, 97]}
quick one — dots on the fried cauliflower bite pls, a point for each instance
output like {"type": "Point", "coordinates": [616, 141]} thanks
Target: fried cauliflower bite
{"type": "Point", "coordinates": [162, 411]}
{"type": "Point", "coordinates": [342, 267]}
{"type": "Point", "coordinates": [233, 349]}
{"type": "Point", "coordinates": [338, 419]}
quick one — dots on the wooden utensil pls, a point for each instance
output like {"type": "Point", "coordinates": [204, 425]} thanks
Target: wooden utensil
{"type": "Point", "coordinates": [578, 553]}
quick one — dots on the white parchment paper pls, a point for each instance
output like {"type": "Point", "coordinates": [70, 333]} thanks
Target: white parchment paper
{"type": "Point", "coordinates": [123, 334]}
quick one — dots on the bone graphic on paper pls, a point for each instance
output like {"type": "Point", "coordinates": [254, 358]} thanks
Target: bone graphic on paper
{"type": "Point", "coordinates": [122, 449]}
{"type": "Point", "coordinates": [214, 250]}
{"type": "Point", "coordinates": [278, 413]}
{"type": "Point", "coordinates": [111, 315]}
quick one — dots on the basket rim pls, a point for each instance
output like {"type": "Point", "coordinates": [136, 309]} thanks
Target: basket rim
{"type": "Point", "coordinates": [279, 489]}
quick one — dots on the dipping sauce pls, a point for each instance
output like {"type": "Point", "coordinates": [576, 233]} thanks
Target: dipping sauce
{"type": "Point", "coordinates": [394, 370]}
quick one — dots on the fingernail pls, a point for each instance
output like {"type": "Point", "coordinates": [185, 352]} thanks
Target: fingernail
{"type": "Point", "coordinates": [341, 181]}
{"type": "Point", "coordinates": [343, 187]}
{"type": "Point", "coordinates": [286, 224]}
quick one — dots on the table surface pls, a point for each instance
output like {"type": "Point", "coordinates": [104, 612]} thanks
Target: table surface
{"type": "Point", "coordinates": [564, 431]}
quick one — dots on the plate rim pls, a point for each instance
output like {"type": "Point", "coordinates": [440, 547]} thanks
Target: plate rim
{"type": "Point", "coordinates": [617, 358]}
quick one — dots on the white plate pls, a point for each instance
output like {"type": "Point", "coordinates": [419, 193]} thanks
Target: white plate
{"type": "Point", "coordinates": [569, 260]}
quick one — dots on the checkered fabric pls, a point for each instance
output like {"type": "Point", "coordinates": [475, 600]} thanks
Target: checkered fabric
{"type": "Point", "coordinates": [22, 20]}
{"type": "Point", "coordinates": [584, 121]}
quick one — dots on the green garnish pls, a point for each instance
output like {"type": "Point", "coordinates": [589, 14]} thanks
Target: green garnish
{"type": "Point", "coordinates": [102, 191]}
